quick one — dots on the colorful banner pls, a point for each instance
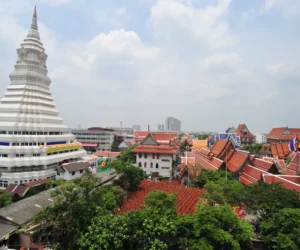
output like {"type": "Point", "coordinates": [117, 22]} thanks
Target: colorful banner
{"type": "Point", "coordinates": [62, 147]}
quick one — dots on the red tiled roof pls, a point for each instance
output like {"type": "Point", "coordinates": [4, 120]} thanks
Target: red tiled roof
{"type": "Point", "coordinates": [207, 162]}
{"type": "Point", "coordinates": [17, 189]}
{"type": "Point", "coordinates": [159, 136]}
{"type": "Point", "coordinates": [251, 175]}
{"type": "Point", "coordinates": [262, 164]}
{"type": "Point", "coordinates": [277, 133]}
{"type": "Point", "coordinates": [269, 178]}
{"type": "Point", "coordinates": [155, 151]}
{"type": "Point", "coordinates": [219, 148]}
{"type": "Point", "coordinates": [106, 154]}
{"type": "Point", "coordinates": [239, 133]}
{"type": "Point", "coordinates": [274, 150]}
{"type": "Point", "coordinates": [236, 161]}
{"type": "Point", "coordinates": [35, 183]}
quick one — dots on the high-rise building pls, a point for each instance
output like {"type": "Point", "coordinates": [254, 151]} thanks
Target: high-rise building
{"type": "Point", "coordinates": [160, 127]}
{"type": "Point", "coordinates": [172, 124]}
{"type": "Point", "coordinates": [34, 142]}
{"type": "Point", "coordinates": [136, 127]}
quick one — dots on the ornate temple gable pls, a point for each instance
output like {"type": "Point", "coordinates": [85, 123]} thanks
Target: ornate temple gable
{"type": "Point", "coordinates": [287, 132]}
{"type": "Point", "coordinates": [245, 129]}
{"type": "Point", "coordinates": [149, 140]}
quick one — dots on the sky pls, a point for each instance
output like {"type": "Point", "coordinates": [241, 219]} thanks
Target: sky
{"type": "Point", "coordinates": [210, 63]}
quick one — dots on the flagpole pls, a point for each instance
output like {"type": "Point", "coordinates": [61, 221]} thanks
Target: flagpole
{"type": "Point", "coordinates": [297, 172]}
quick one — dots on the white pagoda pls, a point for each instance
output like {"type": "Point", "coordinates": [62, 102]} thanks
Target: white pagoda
{"type": "Point", "coordinates": [34, 142]}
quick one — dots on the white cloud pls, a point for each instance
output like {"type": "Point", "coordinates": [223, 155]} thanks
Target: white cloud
{"type": "Point", "coordinates": [283, 71]}
{"type": "Point", "coordinates": [59, 2]}
{"type": "Point", "coordinates": [113, 19]}
{"type": "Point", "coordinates": [221, 62]}
{"type": "Point", "coordinates": [289, 8]}
{"type": "Point", "coordinates": [174, 20]}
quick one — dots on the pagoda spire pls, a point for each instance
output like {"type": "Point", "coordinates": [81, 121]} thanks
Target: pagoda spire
{"type": "Point", "coordinates": [34, 20]}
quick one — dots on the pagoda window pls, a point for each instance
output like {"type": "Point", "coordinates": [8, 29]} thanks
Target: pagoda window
{"type": "Point", "coordinates": [145, 164]}
{"type": "Point", "coordinates": [157, 156]}
{"type": "Point", "coordinates": [153, 156]}
{"type": "Point", "coordinates": [145, 155]}
{"type": "Point", "coordinates": [151, 165]}
{"type": "Point", "coordinates": [140, 164]}
{"type": "Point", "coordinates": [140, 155]}
{"type": "Point", "coordinates": [156, 165]}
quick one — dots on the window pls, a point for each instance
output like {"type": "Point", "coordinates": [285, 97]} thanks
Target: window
{"type": "Point", "coordinates": [140, 164]}
{"type": "Point", "coordinates": [81, 171]}
{"type": "Point", "coordinates": [140, 155]}
{"type": "Point", "coordinates": [165, 168]}
{"type": "Point", "coordinates": [145, 164]}
{"type": "Point", "coordinates": [166, 160]}
{"type": "Point", "coordinates": [153, 156]}
{"type": "Point", "coordinates": [5, 184]}
{"type": "Point", "coordinates": [156, 165]}
{"type": "Point", "coordinates": [1, 183]}
{"type": "Point", "coordinates": [73, 173]}
{"type": "Point", "coordinates": [145, 155]}
{"type": "Point", "coordinates": [157, 156]}
{"type": "Point", "coordinates": [151, 165]}
{"type": "Point", "coordinates": [16, 182]}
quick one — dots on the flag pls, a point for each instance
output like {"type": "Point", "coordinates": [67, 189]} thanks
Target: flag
{"type": "Point", "coordinates": [293, 146]}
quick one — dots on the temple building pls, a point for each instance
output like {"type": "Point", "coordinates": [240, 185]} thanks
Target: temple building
{"type": "Point", "coordinates": [283, 135]}
{"type": "Point", "coordinates": [34, 142]}
{"type": "Point", "coordinates": [246, 136]}
{"type": "Point", "coordinates": [157, 153]}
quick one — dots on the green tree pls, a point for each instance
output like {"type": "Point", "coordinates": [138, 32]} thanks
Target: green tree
{"type": "Point", "coordinates": [131, 178]}
{"type": "Point", "coordinates": [209, 175]}
{"type": "Point", "coordinates": [266, 199]}
{"type": "Point", "coordinates": [107, 231]}
{"type": "Point", "coordinates": [162, 202]}
{"type": "Point", "coordinates": [216, 227]}
{"type": "Point", "coordinates": [224, 192]}
{"type": "Point", "coordinates": [76, 203]}
{"type": "Point", "coordinates": [282, 229]}
{"type": "Point", "coordinates": [5, 198]}
{"type": "Point", "coordinates": [155, 226]}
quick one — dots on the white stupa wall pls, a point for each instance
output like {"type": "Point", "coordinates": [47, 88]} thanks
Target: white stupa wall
{"type": "Point", "coordinates": [30, 125]}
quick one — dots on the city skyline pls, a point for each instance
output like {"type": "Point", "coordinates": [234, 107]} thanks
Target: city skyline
{"type": "Point", "coordinates": [202, 56]}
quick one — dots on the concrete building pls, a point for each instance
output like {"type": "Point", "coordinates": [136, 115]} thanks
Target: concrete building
{"type": "Point", "coordinates": [136, 127]}
{"type": "Point", "coordinates": [72, 171]}
{"type": "Point", "coordinates": [124, 131]}
{"type": "Point", "coordinates": [34, 142]}
{"type": "Point", "coordinates": [172, 124]}
{"type": "Point", "coordinates": [160, 127]}
{"type": "Point", "coordinates": [95, 138]}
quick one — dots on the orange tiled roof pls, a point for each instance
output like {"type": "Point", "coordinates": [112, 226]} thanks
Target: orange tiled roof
{"type": "Point", "coordinates": [198, 144]}
{"type": "Point", "coordinates": [264, 165]}
{"type": "Point", "coordinates": [292, 185]}
{"type": "Point", "coordinates": [277, 133]}
{"type": "Point", "coordinates": [251, 175]}
{"type": "Point", "coordinates": [236, 161]}
{"type": "Point", "coordinates": [219, 148]}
